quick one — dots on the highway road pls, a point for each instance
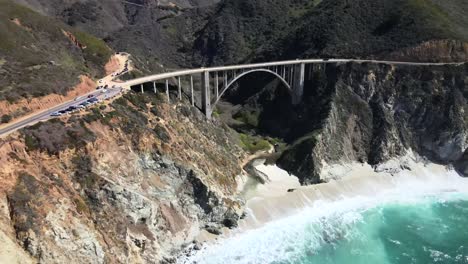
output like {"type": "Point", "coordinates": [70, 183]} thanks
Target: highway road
{"type": "Point", "coordinates": [44, 115]}
{"type": "Point", "coordinates": [109, 80]}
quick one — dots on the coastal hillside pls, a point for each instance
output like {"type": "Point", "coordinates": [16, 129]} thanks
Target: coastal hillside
{"type": "Point", "coordinates": [136, 178]}
{"type": "Point", "coordinates": [180, 34]}
{"type": "Point", "coordinates": [154, 32]}
{"type": "Point", "coordinates": [269, 30]}
{"type": "Point", "coordinates": [130, 182]}
{"type": "Point", "coordinates": [359, 112]}
{"type": "Point", "coordinates": [40, 55]}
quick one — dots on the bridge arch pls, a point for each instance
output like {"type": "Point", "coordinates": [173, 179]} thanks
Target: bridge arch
{"type": "Point", "coordinates": [233, 81]}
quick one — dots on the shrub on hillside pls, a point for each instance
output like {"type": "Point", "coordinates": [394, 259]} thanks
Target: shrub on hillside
{"type": "Point", "coordinates": [5, 119]}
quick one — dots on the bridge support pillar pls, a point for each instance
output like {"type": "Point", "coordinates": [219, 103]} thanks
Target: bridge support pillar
{"type": "Point", "coordinates": [192, 98]}
{"type": "Point", "coordinates": [179, 87]}
{"type": "Point", "coordinates": [298, 83]}
{"type": "Point", "coordinates": [167, 91]}
{"type": "Point", "coordinates": [206, 101]}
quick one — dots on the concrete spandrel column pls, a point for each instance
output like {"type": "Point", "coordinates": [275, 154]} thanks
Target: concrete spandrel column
{"type": "Point", "coordinates": [192, 98]}
{"type": "Point", "coordinates": [225, 81]}
{"type": "Point", "coordinates": [180, 88]}
{"type": "Point", "coordinates": [205, 89]}
{"type": "Point", "coordinates": [167, 91]}
{"type": "Point", "coordinates": [154, 88]}
{"type": "Point", "coordinates": [217, 86]}
{"type": "Point", "coordinates": [141, 88]}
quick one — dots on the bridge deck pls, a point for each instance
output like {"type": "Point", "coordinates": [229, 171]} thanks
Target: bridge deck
{"type": "Point", "coordinates": [162, 76]}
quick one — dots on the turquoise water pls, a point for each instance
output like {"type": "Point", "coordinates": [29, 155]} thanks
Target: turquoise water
{"type": "Point", "coordinates": [427, 232]}
{"type": "Point", "coordinates": [430, 229]}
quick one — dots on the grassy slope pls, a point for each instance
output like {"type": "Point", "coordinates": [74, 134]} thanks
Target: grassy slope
{"type": "Point", "coordinates": [363, 28]}
{"type": "Point", "coordinates": [38, 59]}
{"type": "Point", "coordinates": [266, 30]}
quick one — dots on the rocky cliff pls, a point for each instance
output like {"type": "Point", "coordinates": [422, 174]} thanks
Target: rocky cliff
{"type": "Point", "coordinates": [129, 182]}
{"type": "Point", "coordinates": [374, 112]}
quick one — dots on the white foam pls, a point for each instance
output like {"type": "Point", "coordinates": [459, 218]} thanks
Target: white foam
{"type": "Point", "coordinates": [274, 231]}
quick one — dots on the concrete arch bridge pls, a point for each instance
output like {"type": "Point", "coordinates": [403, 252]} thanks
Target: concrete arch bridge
{"type": "Point", "coordinates": [215, 81]}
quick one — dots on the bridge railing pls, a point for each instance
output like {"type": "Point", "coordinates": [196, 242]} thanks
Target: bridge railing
{"type": "Point", "coordinates": [168, 75]}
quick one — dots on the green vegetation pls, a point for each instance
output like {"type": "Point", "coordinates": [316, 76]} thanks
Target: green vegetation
{"type": "Point", "coordinates": [216, 112]}
{"type": "Point", "coordinates": [162, 134]}
{"type": "Point", "coordinates": [274, 30]}
{"type": "Point", "coordinates": [31, 142]}
{"type": "Point", "coordinates": [38, 58]}
{"type": "Point", "coordinates": [83, 173]}
{"type": "Point", "coordinates": [95, 49]}
{"type": "Point", "coordinates": [312, 137]}
{"type": "Point", "coordinates": [27, 193]}
{"type": "Point", "coordinates": [248, 117]}
{"type": "Point", "coordinates": [81, 206]}
{"type": "Point", "coordinates": [5, 119]}
{"type": "Point", "coordinates": [429, 9]}
{"type": "Point", "coordinates": [98, 114]}
{"type": "Point", "coordinates": [54, 136]}
{"type": "Point", "coordinates": [253, 143]}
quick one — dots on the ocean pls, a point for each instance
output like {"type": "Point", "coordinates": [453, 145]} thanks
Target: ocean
{"type": "Point", "coordinates": [422, 221]}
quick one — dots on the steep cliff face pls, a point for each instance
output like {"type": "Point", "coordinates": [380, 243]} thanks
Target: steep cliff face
{"type": "Point", "coordinates": [372, 113]}
{"type": "Point", "coordinates": [131, 182]}
{"type": "Point", "coordinates": [433, 51]}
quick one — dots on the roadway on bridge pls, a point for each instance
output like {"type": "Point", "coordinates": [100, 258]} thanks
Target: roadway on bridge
{"type": "Point", "coordinates": [9, 128]}
{"type": "Point", "coordinates": [162, 76]}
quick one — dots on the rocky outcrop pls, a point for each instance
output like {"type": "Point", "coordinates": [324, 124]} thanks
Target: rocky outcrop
{"type": "Point", "coordinates": [461, 165]}
{"type": "Point", "coordinates": [433, 51]}
{"type": "Point", "coordinates": [371, 113]}
{"type": "Point", "coordinates": [133, 182]}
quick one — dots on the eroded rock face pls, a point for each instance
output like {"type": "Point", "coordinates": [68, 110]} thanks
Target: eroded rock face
{"type": "Point", "coordinates": [376, 112]}
{"type": "Point", "coordinates": [133, 183]}
{"type": "Point", "coordinates": [436, 50]}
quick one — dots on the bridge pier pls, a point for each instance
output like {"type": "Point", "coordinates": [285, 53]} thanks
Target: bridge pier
{"type": "Point", "coordinates": [167, 91]}
{"type": "Point", "coordinates": [206, 100]}
{"type": "Point", "coordinates": [298, 83]}
{"type": "Point", "coordinates": [217, 86]}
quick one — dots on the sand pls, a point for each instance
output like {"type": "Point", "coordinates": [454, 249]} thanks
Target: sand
{"type": "Point", "coordinates": [272, 201]}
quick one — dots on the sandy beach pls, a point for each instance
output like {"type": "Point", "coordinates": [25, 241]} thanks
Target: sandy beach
{"type": "Point", "coordinates": [281, 203]}
{"type": "Point", "coordinates": [272, 201]}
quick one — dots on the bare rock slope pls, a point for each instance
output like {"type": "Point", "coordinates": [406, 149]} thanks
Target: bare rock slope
{"type": "Point", "coordinates": [133, 182]}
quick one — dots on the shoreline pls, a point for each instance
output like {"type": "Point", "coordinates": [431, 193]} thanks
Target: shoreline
{"type": "Point", "coordinates": [266, 204]}
{"type": "Point", "coordinates": [282, 196]}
